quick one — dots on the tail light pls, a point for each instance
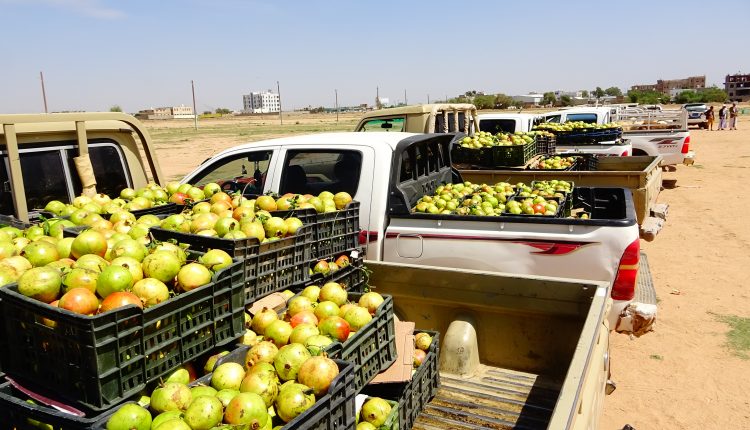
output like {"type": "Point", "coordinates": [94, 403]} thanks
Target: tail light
{"type": "Point", "coordinates": [627, 272]}
{"type": "Point", "coordinates": [624, 154]}
{"type": "Point", "coordinates": [686, 145]}
{"type": "Point", "coordinates": [367, 236]}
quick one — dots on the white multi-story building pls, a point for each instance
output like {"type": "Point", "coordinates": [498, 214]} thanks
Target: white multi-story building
{"type": "Point", "coordinates": [256, 102]}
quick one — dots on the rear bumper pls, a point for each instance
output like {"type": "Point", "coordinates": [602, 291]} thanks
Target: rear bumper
{"type": "Point", "coordinates": [637, 317]}
{"type": "Point", "coordinates": [689, 158]}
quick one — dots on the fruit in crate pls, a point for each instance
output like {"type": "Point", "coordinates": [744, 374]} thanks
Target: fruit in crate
{"type": "Point", "coordinates": [484, 139]}
{"type": "Point", "coordinates": [375, 411]}
{"type": "Point", "coordinates": [533, 206]}
{"type": "Point", "coordinates": [555, 162]}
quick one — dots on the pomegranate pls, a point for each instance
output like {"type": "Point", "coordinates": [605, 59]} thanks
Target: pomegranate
{"type": "Point", "coordinates": [326, 309]}
{"type": "Point", "coordinates": [419, 357]}
{"type": "Point", "coordinates": [7, 249]}
{"type": "Point", "coordinates": [423, 341]}
{"type": "Point", "coordinates": [292, 225]}
{"type": "Point", "coordinates": [161, 265]}
{"type": "Point", "coordinates": [243, 212]}
{"type": "Point", "coordinates": [204, 413]}
{"type": "Point", "coordinates": [253, 229]}
{"type": "Point", "coordinates": [131, 264]}
{"type": "Point", "coordinates": [64, 246]}
{"type": "Point", "coordinates": [204, 221]}
{"type": "Point", "coordinates": [118, 300]}
{"type": "Point", "coordinates": [40, 283]}
{"type": "Point", "coordinates": [302, 332]}
{"type": "Point", "coordinates": [335, 327]}
{"type": "Point", "coordinates": [79, 300]}
{"type": "Point", "coordinates": [8, 275]}
{"type": "Point", "coordinates": [317, 203]}
{"type": "Point", "coordinates": [174, 249]}
{"type": "Point", "coordinates": [304, 317]}
{"type": "Point", "coordinates": [334, 292]}
{"type": "Point", "coordinates": [263, 352]}
{"type": "Point", "coordinates": [88, 242]}
{"type": "Point", "coordinates": [226, 396]}
{"type": "Point", "coordinates": [112, 279]}
{"type": "Point", "coordinates": [262, 367]}
{"type": "Point", "coordinates": [17, 263]}
{"type": "Point", "coordinates": [40, 253]}
{"type": "Point", "coordinates": [375, 411]}
{"type": "Point", "coordinates": [266, 385]}
{"type": "Point", "coordinates": [298, 304]}
{"type": "Point", "coordinates": [212, 360]}
{"type": "Point", "coordinates": [344, 309]}
{"type": "Point", "coordinates": [321, 267]}
{"type": "Point", "coordinates": [249, 338]}
{"type": "Point", "coordinates": [228, 375]}
{"type": "Point", "coordinates": [56, 228]}
{"type": "Point", "coordinates": [215, 259]}
{"type": "Point", "coordinates": [275, 227]}
{"type": "Point", "coordinates": [278, 332]}
{"type": "Point", "coordinates": [342, 261]}
{"type": "Point", "coordinates": [20, 243]}
{"type": "Point", "coordinates": [121, 216]}
{"type": "Point", "coordinates": [249, 409]}
{"type": "Point", "coordinates": [312, 292]}
{"type": "Point", "coordinates": [289, 359]}
{"type": "Point", "coordinates": [192, 276]}
{"type": "Point", "coordinates": [293, 399]}
{"type": "Point", "coordinates": [173, 396]}
{"type": "Point", "coordinates": [91, 262]}
{"type": "Point", "coordinates": [266, 203]}
{"type": "Point", "coordinates": [318, 373]}
{"type": "Point", "coordinates": [178, 198]}
{"type": "Point", "coordinates": [55, 206]}
{"type": "Point", "coordinates": [317, 344]}
{"type": "Point", "coordinates": [130, 417]}
{"type": "Point", "coordinates": [357, 317]}
{"type": "Point", "coordinates": [263, 319]}
{"type": "Point", "coordinates": [150, 291]}
{"type": "Point", "coordinates": [220, 208]}
{"type": "Point", "coordinates": [80, 278]}
{"type": "Point", "coordinates": [371, 301]}
{"type": "Point", "coordinates": [341, 200]}
{"type": "Point", "coordinates": [129, 248]}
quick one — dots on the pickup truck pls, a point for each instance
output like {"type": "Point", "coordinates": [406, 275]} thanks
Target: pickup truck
{"type": "Point", "coordinates": [388, 172]}
{"type": "Point", "coordinates": [649, 132]}
{"type": "Point", "coordinates": [640, 174]}
{"type": "Point", "coordinates": [515, 351]}
{"type": "Point", "coordinates": [424, 118]}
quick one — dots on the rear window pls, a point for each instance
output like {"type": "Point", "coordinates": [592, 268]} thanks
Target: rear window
{"type": "Point", "coordinates": [583, 117]}
{"type": "Point", "coordinates": [385, 124]}
{"type": "Point", "coordinates": [314, 171]}
{"type": "Point", "coordinates": [440, 122]}
{"type": "Point", "coordinates": [498, 125]}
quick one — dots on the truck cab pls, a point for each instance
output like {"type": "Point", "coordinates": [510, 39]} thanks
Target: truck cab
{"type": "Point", "coordinates": [423, 118]}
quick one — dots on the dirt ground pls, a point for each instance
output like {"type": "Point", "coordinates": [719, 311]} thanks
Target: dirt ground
{"type": "Point", "coordinates": [682, 375]}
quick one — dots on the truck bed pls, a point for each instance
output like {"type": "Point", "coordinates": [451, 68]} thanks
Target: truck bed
{"type": "Point", "coordinates": [539, 345]}
{"type": "Point", "coordinates": [495, 398]}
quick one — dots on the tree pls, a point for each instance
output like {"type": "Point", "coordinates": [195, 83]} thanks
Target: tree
{"type": "Point", "coordinates": [713, 94]}
{"type": "Point", "coordinates": [688, 97]}
{"type": "Point", "coordinates": [599, 92]}
{"type": "Point", "coordinates": [565, 100]}
{"type": "Point", "coordinates": [585, 94]}
{"type": "Point", "coordinates": [503, 101]}
{"type": "Point", "coordinates": [648, 97]}
{"type": "Point", "coordinates": [549, 98]}
{"type": "Point", "coordinates": [484, 102]}
{"type": "Point", "coordinates": [223, 111]}
{"type": "Point", "coordinates": [115, 108]}
{"type": "Point", "coordinates": [613, 91]}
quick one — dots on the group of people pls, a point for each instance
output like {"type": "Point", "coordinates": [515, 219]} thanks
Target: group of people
{"type": "Point", "coordinates": [724, 112]}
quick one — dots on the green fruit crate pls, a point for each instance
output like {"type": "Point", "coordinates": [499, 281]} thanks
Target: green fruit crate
{"type": "Point", "coordinates": [268, 267]}
{"type": "Point", "coordinates": [99, 361]}
{"type": "Point", "coordinates": [335, 410]}
{"type": "Point", "coordinates": [495, 156]}
{"type": "Point", "coordinates": [353, 277]}
{"type": "Point", "coordinates": [392, 421]}
{"type": "Point", "coordinates": [372, 349]}
{"type": "Point", "coordinates": [413, 395]}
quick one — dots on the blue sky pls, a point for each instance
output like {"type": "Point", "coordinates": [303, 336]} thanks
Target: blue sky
{"type": "Point", "coordinates": [138, 54]}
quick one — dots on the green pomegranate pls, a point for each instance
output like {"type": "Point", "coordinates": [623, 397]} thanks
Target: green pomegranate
{"type": "Point", "coordinates": [293, 399]}
{"type": "Point", "coordinates": [264, 384]}
{"type": "Point", "coordinates": [40, 283]}
{"type": "Point", "coordinates": [172, 396]}
{"type": "Point", "coordinates": [375, 411]}
{"type": "Point", "coordinates": [161, 265]}
{"type": "Point", "coordinates": [247, 408]}
{"type": "Point", "coordinates": [165, 416]}
{"type": "Point", "coordinates": [130, 417]}
{"type": "Point", "coordinates": [204, 413]}
{"type": "Point", "coordinates": [289, 359]}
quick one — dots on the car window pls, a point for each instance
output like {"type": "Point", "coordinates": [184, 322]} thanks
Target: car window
{"type": "Point", "coordinates": [498, 125]}
{"type": "Point", "coordinates": [244, 172]}
{"type": "Point", "coordinates": [44, 176]}
{"type": "Point", "coordinates": [583, 117]}
{"type": "Point", "coordinates": [314, 171]}
{"type": "Point", "coordinates": [552, 118]}
{"type": "Point", "coordinates": [440, 122]}
{"type": "Point", "coordinates": [6, 196]}
{"type": "Point", "coordinates": [109, 169]}
{"type": "Point", "coordinates": [386, 124]}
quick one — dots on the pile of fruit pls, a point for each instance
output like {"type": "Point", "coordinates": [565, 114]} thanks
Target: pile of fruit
{"type": "Point", "coordinates": [485, 139]}
{"type": "Point", "coordinates": [555, 185]}
{"type": "Point", "coordinates": [93, 273]}
{"type": "Point", "coordinates": [327, 267]}
{"type": "Point", "coordinates": [556, 127]}
{"type": "Point", "coordinates": [532, 206]}
{"type": "Point", "coordinates": [374, 413]}
{"type": "Point", "coordinates": [422, 342]}
{"type": "Point", "coordinates": [555, 162]}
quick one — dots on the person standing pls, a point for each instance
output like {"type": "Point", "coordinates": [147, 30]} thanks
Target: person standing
{"type": "Point", "coordinates": [733, 116]}
{"type": "Point", "coordinates": [710, 118]}
{"type": "Point", "coordinates": [723, 117]}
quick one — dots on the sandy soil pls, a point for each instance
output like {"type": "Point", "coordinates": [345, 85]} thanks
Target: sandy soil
{"type": "Point", "coordinates": [682, 375]}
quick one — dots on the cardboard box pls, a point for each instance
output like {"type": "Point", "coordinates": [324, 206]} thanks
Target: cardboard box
{"type": "Point", "coordinates": [401, 369]}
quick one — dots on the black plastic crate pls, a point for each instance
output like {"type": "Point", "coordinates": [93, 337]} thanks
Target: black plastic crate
{"type": "Point", "coordinates": [9, 221]}
{"type": "Point", "coordinates": [413, 395]}
{"type": "Point", "coordinates": [99, 361]}
{"type": "Point", "coordinates": [372, 349]}
{"type": "Point", "coordinates": [586, 163]}
{"type": "Point", "coordinates": [268, 267]}
{"type": "Point", "coordinates": [352, 277]}
{"type": "Point", "coordinates": [545, 144]}
{"type": "Point", "coordinates": [495, 156]}
{"type": "Point", "coordinates": [559, 213]}
{"type": "Point", "coordinates": [336, 232]}
{"type": "Point", "coordinates": [588, 136]}
{"type": "Point", "coordinates": [335, 410]}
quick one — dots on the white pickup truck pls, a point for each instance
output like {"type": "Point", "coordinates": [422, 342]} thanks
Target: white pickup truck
{"type": "Point", "coordinates": [388, 172]}
{"type": "Point", "coordinates": [649, 132]}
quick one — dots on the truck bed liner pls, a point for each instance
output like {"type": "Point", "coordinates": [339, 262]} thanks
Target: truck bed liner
{"type": "Point", "coordinates": [495, 398]}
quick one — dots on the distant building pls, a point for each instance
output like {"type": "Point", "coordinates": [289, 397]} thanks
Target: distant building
{"type": "Point", "coordinates": [571, 94]}
{"type": "Point", "coordinates": [172, 112]}
{"type": "Point", "coordinates": [665, 86]}
{"type": "Point", "coordinates": [529, 99]}
{"type": "Point", "coordinates": [266, 102]}
{"type": "Point", "coordinates": [738, 87]}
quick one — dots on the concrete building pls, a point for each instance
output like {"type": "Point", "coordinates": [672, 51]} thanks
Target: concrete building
{"type": "Point", "coordinates": [529, 99]}
{"type": "Point", "coordinates": [738, 87]}
{"type": "Point", "coordinates": [665, 86]}
{"type": "Point", "coordinates": [256, 102]}
{"type": "Point", "coordinates": [172, 112]}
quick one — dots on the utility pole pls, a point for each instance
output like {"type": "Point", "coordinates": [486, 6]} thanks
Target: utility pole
{"type": "Point", "coordinates": [195, 111]}
{"type": "Point", "coordinates": [406, 102]}
{"type": "Point", "coordinates": [278, 90]}
{"type": "Point", "coordinates": [337, 105]}
{"type": "Point", "coordinates": [44, 93]}
{"type": "Point", "coordinates": [428, 99]}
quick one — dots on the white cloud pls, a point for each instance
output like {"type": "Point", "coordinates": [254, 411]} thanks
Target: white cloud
{"type": "Point", "coordinates": [91, 8]}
